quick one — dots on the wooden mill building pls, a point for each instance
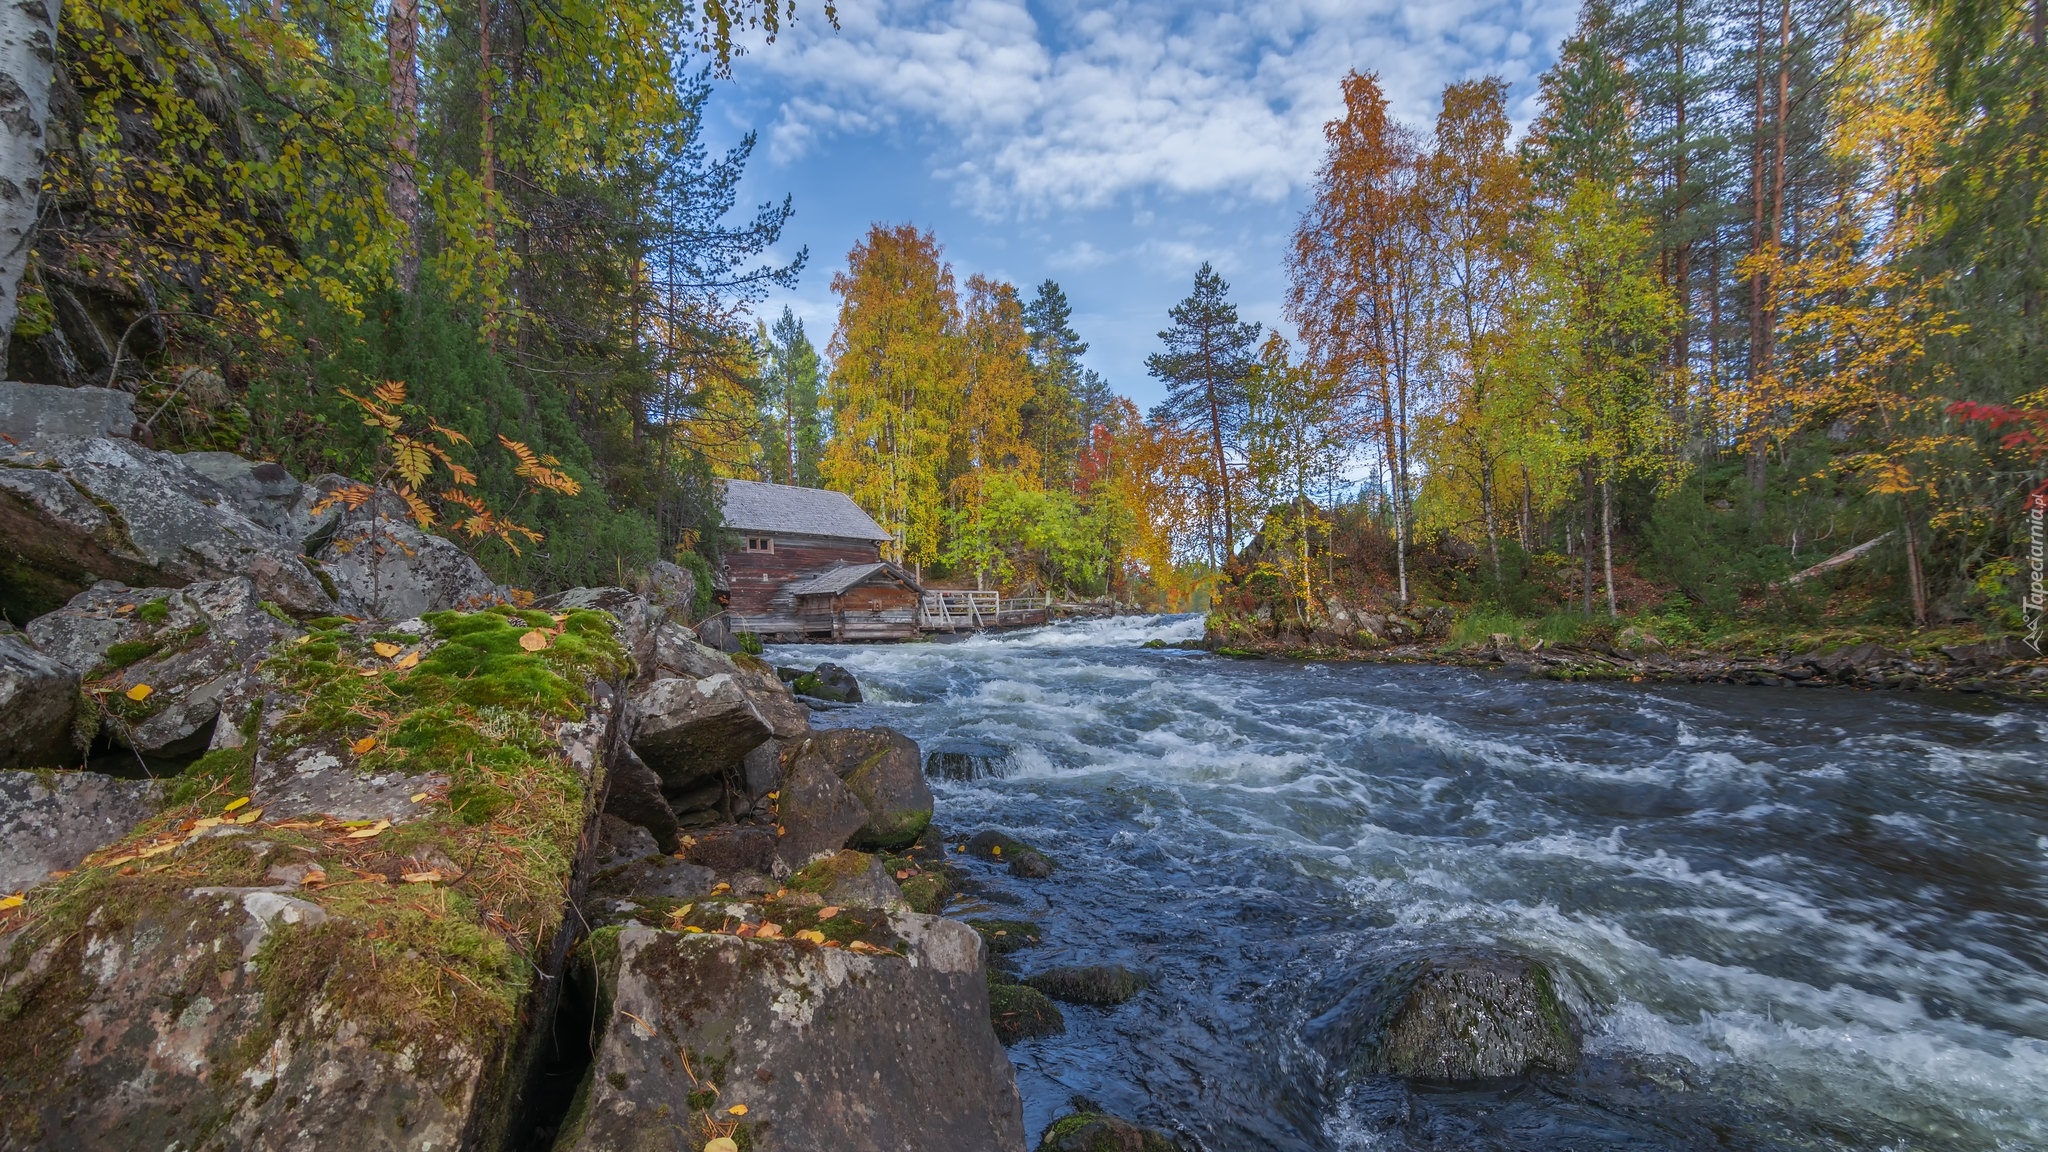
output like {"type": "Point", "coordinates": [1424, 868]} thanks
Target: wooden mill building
{"type": "Point", "coordinates": [806, 564]}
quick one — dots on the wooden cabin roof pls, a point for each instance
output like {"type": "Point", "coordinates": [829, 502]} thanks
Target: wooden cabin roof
{"type": "Point", "coordinates": [835, 581]}
{"type": "Point", "coordinates": [752, 506]}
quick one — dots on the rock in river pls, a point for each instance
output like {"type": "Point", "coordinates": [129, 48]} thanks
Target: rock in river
{"type": "Point", "coordinates": [1478, 1017]}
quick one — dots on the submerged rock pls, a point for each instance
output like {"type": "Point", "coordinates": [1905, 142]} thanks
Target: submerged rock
{"type": "Point", "coordinates": [1101, 985]}
{"type": "Point", "coordinates": [50, 821]}
{"type": "Point", "coordinates": [967, 760]}
{"type": "Point", "coordinates": [820, 1048]}
{"type": "Point", "coordinates": [1477, 1017]}
{"type": "Point", "coordinates": [1021, 1012]}
{"type": "Point", "coordinates": [828, 682]}
{"type": "Point", "coordinates": [391, 569]}
{"type": "Point", "coordinates": [1025, 861]}
{"type": "Point", "coordinates": [1096, 1132]}
{"type": "Point", "coordinates": [38, 698]}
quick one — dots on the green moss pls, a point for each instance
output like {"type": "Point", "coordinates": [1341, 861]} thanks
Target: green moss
{"type": "Point", "coordinates": [323, 623]}
{"type": "Point", "coordinates": [274, 610]}
{"type": "Point", "coordinates": [1006, 936]}
{"type": "Point", "coordinates": [223, 772]}
{"type": "Point", "coordinates": [156, 611]}
{"type": "Point", "coordinates": [750, 643]}
{"type": "Point", "coordinates": [1020, 1013]}
{"type": "Point", "coordinates": [128, 652]}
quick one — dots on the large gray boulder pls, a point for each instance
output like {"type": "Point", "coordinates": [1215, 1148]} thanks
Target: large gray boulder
{"type": "Point", "coordinates": [690, 730]}
{"type": "Point", "coordinates": [816, 814]}
{"type": "Point", "coordinates": [390, 569]}
{"type": "Point", "coordinates": [50, 821]}
{"type": "Point", "coordinates": [633, 794]}
{"type": "Point", "coordinates": [73, 512]}
{"type": "Point", "coordinates": [261, 490]}
{"type": "Point", "coordinates": [672, 588]}
{"type": "Point", "coordinates": [880, 767]}
{"type": "Point", "coordinates": [639, 620]}
{"type": "Point", "coordinates": [196, 647]}
{"type": "Point", "coordinates": [821, 1047]}
{"type": "Point", "coordinates": [38, 697]}
{"type": "Point", "coordinates": [36, 415]}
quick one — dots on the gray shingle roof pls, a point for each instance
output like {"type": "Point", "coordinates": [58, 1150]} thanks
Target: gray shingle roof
{"type": "Point", "coordinates": [834, 581]}
{"type": "Point", "coordinates": [751, 506]}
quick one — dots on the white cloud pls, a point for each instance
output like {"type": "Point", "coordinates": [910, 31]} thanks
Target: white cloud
{"type": "Point", "coordinates": [1078, 105]}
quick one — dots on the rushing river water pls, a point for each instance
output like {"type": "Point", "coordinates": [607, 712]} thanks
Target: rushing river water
{"type": "Point", "coordinates": [1789, 918]}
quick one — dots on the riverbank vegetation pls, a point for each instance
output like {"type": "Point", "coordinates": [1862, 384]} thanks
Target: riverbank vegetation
{"type": "Point", "coordinates": [1758, 285]}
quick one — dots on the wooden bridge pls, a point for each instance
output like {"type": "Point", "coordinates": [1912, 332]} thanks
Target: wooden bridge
{"type": "Point", "coordinates": [966, 610]}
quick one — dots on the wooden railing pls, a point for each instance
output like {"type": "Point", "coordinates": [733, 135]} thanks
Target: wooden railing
{"type": "Point", "coordinates": [963, 609]}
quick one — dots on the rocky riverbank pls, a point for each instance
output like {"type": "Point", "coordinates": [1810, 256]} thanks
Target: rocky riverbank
{"type": "Point", "coordinates": [1999, 666]}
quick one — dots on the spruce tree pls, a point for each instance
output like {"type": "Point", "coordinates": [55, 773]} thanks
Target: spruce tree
{"type": "Point", "coordinates": [1208, 358]}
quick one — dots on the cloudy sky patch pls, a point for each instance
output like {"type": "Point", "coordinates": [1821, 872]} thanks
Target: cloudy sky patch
{"type": "Point", "coordinates": [1113, 147]}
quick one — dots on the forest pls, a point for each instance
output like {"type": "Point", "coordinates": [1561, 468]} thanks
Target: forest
{"type": "Point", "coordinates": [1760, 283]}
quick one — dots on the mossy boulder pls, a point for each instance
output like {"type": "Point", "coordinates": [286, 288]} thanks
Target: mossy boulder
{"type": "Point", "coordinates": [1024, 861]}
{"type": "Point", "coordinates": [1021, 1012]}
{"type": "Point", "coordinates": [1474, 1017]}
{"type": "Point", "coordinates": [1101, 985]}
{"type": "Point", "coordinates": [1007, 936]}
{"type": "Point", "coordinates": [265, 975]}
{"type": "Point", "coordinates": [1096, 1132]}
{"type": "Point", "coordinates": [828, 682]}
{"type": "Point", "coordinates": [849, 878]}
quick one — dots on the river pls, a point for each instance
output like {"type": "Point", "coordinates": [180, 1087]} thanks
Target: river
{"type": "Point", "coordinates": [1789, 918]}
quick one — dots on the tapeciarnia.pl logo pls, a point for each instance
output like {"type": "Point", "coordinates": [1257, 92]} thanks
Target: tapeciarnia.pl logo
{"type": "Point", "coordinates": [2034, 606]}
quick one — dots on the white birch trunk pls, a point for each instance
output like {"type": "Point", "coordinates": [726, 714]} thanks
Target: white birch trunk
{"type": "Point", "coordinates": [28, 54]}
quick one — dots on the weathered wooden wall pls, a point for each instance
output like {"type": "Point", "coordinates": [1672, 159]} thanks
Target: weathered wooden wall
{"type": "Point", "coordinates": [757, 579]}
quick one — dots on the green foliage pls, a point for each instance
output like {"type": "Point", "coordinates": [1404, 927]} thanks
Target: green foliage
{"type": "Point", "coordinates": [750, 643]}
{"type": "Point", "coordinates": [156, 611]}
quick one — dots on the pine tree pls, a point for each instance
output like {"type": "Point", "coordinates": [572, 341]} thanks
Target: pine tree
{"type": "Point", "coordinates": [1055, 420]}
{"type": "Point", "coordinates": [793, 431]}
{"type": "Point", "coordinates": [1205, 365]}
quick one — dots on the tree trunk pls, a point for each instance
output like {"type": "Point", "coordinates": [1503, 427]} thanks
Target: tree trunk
{"type": "Point", "coordinates": [28, 54]}
{"type": "Point", "coordinates": [1492, 521]}
{"type": "Point", "coordinates": [1607, 543]}
{"type": "Point", "coordinates": [1916, 580]}
{"type": "Point", "coordinates": [1586, 543]}
{"type": "Point", "coordinates": [402, 190]}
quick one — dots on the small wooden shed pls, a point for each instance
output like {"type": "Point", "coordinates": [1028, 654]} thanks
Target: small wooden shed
{"type": "Point", "coordinates": [806, 563]}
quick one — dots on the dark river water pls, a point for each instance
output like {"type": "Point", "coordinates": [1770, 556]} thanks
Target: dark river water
{"type": "Point", "coordinates": [1788, 918]}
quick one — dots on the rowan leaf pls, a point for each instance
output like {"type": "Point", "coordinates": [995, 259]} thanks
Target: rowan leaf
{"type": "Point", "coordinates": [363, 745]}
{"type": "Point", "coordinates": [409, 660]}
{"type": "Point", "coordinates": [376, 829]}
{"type": "Point", "coordinates": [17, 900]}
{"type": "Point", "coordinates": [385, 649]}
{"type": "Point", "coordinates": [233, 805]}
{"type": "Point", "coordinates": [139, 693]}
{"type": "Point", "coordinates": [535, 640]}
{"type": "Point", "coordinates": [737, 1110]}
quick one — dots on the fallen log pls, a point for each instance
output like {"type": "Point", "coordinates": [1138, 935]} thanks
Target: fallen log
{"type": "Point", "coordinates": [1833, 562]}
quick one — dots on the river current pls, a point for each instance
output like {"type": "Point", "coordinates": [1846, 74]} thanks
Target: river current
{"type": "Point", "coordinates": [1788, 918]}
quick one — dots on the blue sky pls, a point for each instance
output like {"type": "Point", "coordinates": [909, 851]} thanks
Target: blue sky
{"type": "Point", "coordinates": [1112, 147]}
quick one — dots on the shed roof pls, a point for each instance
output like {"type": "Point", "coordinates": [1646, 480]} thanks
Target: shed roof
{"type": "Point", "coordinates": [834, 581]}
{"type": "Point", "coordinates": [751, 506]}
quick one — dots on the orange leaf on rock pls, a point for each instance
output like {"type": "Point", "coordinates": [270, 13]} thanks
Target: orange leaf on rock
{"type": "Point", "coordinates": [372, 830]}
{"type": "Point", "coordinates": [534, 641]}
{"type": "Point", "coordinates": [828, 912]}
{"type": "Point", "coordinates": [363, 745]}
{"type": "Point", "coordinates": [385, 648]}
{"type": "Point", "coordinates": [409, 660]}
{"type": "Point", "coordinates": [139, 693]}
{"type": "Point", "coordinates": [234, 805]}
{"type": "Point", "coordinates": [738, 1110]}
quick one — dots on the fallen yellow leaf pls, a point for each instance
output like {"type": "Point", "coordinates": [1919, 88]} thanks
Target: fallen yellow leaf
{"type": "Point", "coordinates": [209, 822]}
{"type": "Point", "coordinates": [157, 850]}
{"type": "Point", "coordinates": [372, 830]}
{"type": "Point", "coordinates": [124, 609]}
{"type": "Point", "coordinates": [812, 935]}
{"type": "Point", "coordinates": [996, 851]}
{"type": "Point", "coordinates": [249, 817]}
{"type": "Point", "coordinates": [418, 796]}
{"type": "Point", "coordinates": [828, 912]}
{"type": "Point", "coordinates": [139, 693]}
{"type": "Point", "coordinates": [768, 931]}
{"type": "Point", "coordinates": [302, 640]}
{"type": "Point", "coordinates": [363, 745]}
{"type": "Point", "coordinates": [14, 901]}
{"type": "Point", "coordinates": [232, 805]}
{"type": "Point", "coordinates": [315, 876]}
{"type": "Point", "coordinates": [534, 641]}
{"type": "Point", "coordinates": [721, 1144]}
{"type": "Point", "coordinates": [693, 928]}
{"type": "Point", "coordinates": [385, 648]}
{"type": "Point", "coordinates": [721, 886]}
{"type": "Point", "coordinates": [738, 1110]}
{"type": "Point", "coordinates": [430, 876]}
{"type": "Point", "coordinates": [409, 660]}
